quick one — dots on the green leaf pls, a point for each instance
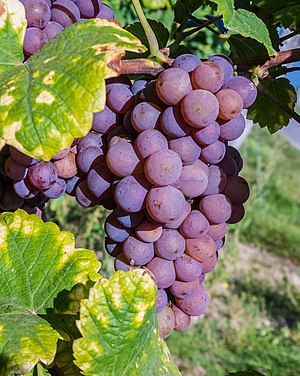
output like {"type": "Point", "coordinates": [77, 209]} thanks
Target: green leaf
{"type": "Point", "coordinates": [247, 47]}
{"type": "Point", "coordinates": [184, 8]}
{"type": "Point", "coordinates": [37, 261]}
{"type": "Point", "coordinates": [118, 324]}
{"type": "Point", "coordinates": [155, 4]}
{"type": "Point", "coordinates": [268, 109]}
{"type": "Point", "coordinates": [38, 115]}
{"type": "Point", "coordinates": [12, 31]}
{"type": "Point", "coordinates": [161, 32]}
{"type": "Point", "coordinates": [245, 23]}
{"type": "Point", "coordinates": [246, 373]}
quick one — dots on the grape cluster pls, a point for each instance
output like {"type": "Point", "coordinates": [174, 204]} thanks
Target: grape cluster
{"type": "Point", "coordinates": [47, 18]}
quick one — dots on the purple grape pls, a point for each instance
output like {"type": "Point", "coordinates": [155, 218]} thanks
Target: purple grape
{"type": "Point", "coordinates": [218, 231]}
{"type": "Point", "coordinates": [89, 8]}
{"type": "Point", "coordinates": [173, 124]}
{"type": "Point", "coordinates": [187, 62]}
{"type": "Point", "coordinates": [24, 189]}
{"type": "Point", "coordinates": [228, 165]}
{"type": "Point", "coordinates": [182, 320]}
{"type": "Point", "coordinates": [61, 154]}
{"type": "Point", "coordinates": [232, 129]}
{"type": "Point", "coordinates": [37, 13]}
{"type": "Point", "coordinates": [196, 304]}
{"type": "Point", "coordinates": [216, 208]}
{"type": "Point", "coordinates": [56, 190]}
{"type": "Point", "coordinates": [244, 87]}
{"type": "Point", "coordinates": [149, 142]}
{"type": "Point", "coordinates": [237, 190]}
{"type": "Point", "coordinates": [52, 29]}
{"type": "Point", "coordinates": [127, 219]}
{"type": "Point", "coordinates": [210, 264]}
{"type": "Point", "coordinates": [121, 263]}
{"type": "Point", "coordinates": [91, 139]}
{"type": "Point", "coordinates": [163, 167]}
{"type": "Point", "coordinates": [194, 179]}
{"type": "Point", "coordinates": [104, 121]}
{"type": "Point", "coordinates": [21, 158]}
{"type": "Point", "coordinates": [130, 193]}
{"type": "Point", "coordinates": [137, 252]}
{"type": "Point", "coordinates": [148, 232]}
{"type": "Point", "coordinates": [115, 230]}
{"type": "Point", "coordinates": [112, 248]}
{"type": "Point", "coordinates": [225, 63]}
{"type": "Point", "coordinates": [119, 98]}
{"type": "Point", "coordinates": [84, 196]}
{"type": "Point", "coordinates": [165, 204]}
{"type": "Point", "coordinates": [161, 300]}
{"type": "Point", "coordinates": [166, 322]}
{"type": "Point", "coordinates": [219, 243]}
{"type": "Point", "coordinates": [10, 200]}
{"type": "Point", "coordinates": [207, 135]}
{"type": "Point", "coordinates": [184, 290]}
{"type": "Point", "coordinates": [238, 213]}
{"type": "Point", "coordinates": [106, 12]}
{"type": "Point", "coordinates": [170, 246]}
{"type": "Point", "coordinates": [194, 225]}
{"type": "Point", "coordinates": [145, 116]}
{"type": "Point", "coordinates": [99, 180]}
{"type": "Point", "coordinates": [200, 108]}
{"type": "Point", "coordinates": [14, 170]}
{"type": "Point", "coordinates": [64, 12]}
{"type": "Point", "coordinates": [230, 104]}
{"type": "Point", "coordinates": [89, 157]}
{"type": "Point", "coordinates": [138, 86]}
{"type": "Point", "coordinates": [235, 154]}
{"type": "Point", "coordinates": [71, 184]}
{"type": "Point", "coordinates": [34, 40]}
{"type": "Point", "coordinates": [202, 248]}
{"type": "Point", "coordinates": [174, 224]}
{"type": "Point", "coordinates": [122, 159]}
{"type": "Point", "coordinates": [186, 148]}
{"type": "Point", "coordinates": [213, 153]}
{"type": "Point", "coordinates": [172, 85]}
{"type": "Point", "coordinates": [208, 76]}
{"type": "Point", "coordinates": [163, 271]}
{"type": "Point", "coordinates": [66, 167]}
{"type": "Point", "coordinates": [217, 180]}
{"type": "Point", "coordinates": [42, 175]}
{"type": "Point", "coordinates": [127, 124]}
{"type": "Point", "coordinates": [149, 94]}
{"type": "Point", "coordinates": [187, 268]}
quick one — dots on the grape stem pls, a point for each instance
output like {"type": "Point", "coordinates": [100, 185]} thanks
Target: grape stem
{"type": "Point", "coordinates": [153, 44]}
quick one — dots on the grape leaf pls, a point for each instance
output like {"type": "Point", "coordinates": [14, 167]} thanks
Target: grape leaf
{"type": "Point", "coordinates": [38, 115]}
{"type": "Point", "coordinates": [37, 261]}
{"type": "Point", "coordinates": [12, 31]}
{"type": "Point", "coordinates": [268, 111]}
{"type": "Point", "coordinates": [155, 4]}
{"type": "Point", "coordinates": [246, 373]}
{"type": "Point", "coordinates": [184, 8]}
{"type": "Point", "coordinates": [118, 324]}
{"type": "Point", "coordinates": [245, 23]}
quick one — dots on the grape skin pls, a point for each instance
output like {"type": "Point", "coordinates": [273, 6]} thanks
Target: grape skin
{"type": "Point", "coordinates": [163, 271]}
{"type": "Point", "coordinates": [187, 268]}
{"type": "Point", "coordinates": [237, 190]}
{"type": "Point", "coordinates": [208, 76]}
{"type": "Point", "coordinates": [216, 208]}
{"type": "Point", "coordinates": [173, 124]}
{"type": "Point", "coordinates": [187, 62]}
{"type": "Point", "coordinates": [186, 148]}
{"type": "Point", "coordinates": [207, 135]}
{"type": "Point", "coordinates": [194, 225]}
{"type": "Point", "coordinates": [217, 181]}
{"type": "Point", "coordinates": [193, 179]}
{"type": "Point", "coordinates": [161, 300]}
{"type": "Point", "coordinates": [196, 305]}
{"type": "Point", "coordinates": [115, 230]}
{"type": "Point", "coordinates": [170, 245]}
{"type": "Point", "coordinates": [145, 116]}
{"type": "Point", "coordinates": [149, 142]}
{"type": "Point", "coordinates": [148, 231]}
{"type": "Point", "coordinates": [137, 252]}
{"type": "Point", "coordinates": [230, 102]}
{"type": "Point", "coordinates": [122, 159]}
{"type": "Point", "coordinates": [166, 322]}
{"type": "Point", "coordinates": [183, 290]}
{"type": "Point", "coordinates": [201, 249]}
{"type": "Point", "coordinates": [182, 320]}
{"type": "Point", "coordinates": [218, 231]}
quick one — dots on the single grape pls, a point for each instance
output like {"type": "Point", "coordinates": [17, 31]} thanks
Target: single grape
{"type": "Point", "coordinates": [65, 12]}
{"type": "Point", "coordinates": [56, 190]}
{"type": "Point", "coordinates": [230, 104]}
{"type": "Point", "coordinates": [174, 224]}
{"type": "Point", "coordinates": [149, 142]}
{"type": "Point", "coordinates": [200, 108]}
{"type": "Point", "coordinates": [235, 154]}
{"type": "Point", "coordinates": [71, 184]}
{"type": "Point", "coordinates": [34, 40]}
{"type": "Point", "coordinates": [171, 245]}
{"type": "Point", "coordinates": [184, 290]}
{"type": "Point", "coordinates": [24, 189]}
{"type": "Point", "coordinates": [21, 158]}
{"type": "Point", "coordinates": [207, 135]}
{"type": "Point", "coordinates": [137, 252]}
{"type": "Point", "coordinates": [237, 190]}
{"type": "Point", "coordinates": [172, 85]}
{"type": "Point", "coordinates": [163, 167]}
{"type": "Point", "coordinates": [145, 116]}
{"type": "Point", "coordinates": [173, 124]}
{"type": "Point", "coordinates": [219, 243]}
{"type": "Point", "coordinates": [238, 213]}
{"type": "Point", "coordinates": [194, 225]}
{"type": "Point", "coordinates": [99, 180]}
{"type": "Point", "coordinates": [196, 305]}
{"type": "Point", "coordinates": [91, 139]}
{"type": "Point", "coordinates": [228, 165]}
{"type": "Point", "coordinates": [106, 12]}
{"type": "Point", "coordinates": [208, 76]}
{"type": "Point", "coordinates": [245, 87]}
{"type": "Point", "coordinates": [213, 153]}
{"type": "Point", "coordinates": [216, 208]}
{"type": "Point", "coordinates": [182, 320]}
{"type": "Point", "coordinates": [148, 232]}
{"type": "Point", "coordinates": [163, 271]}
{"type": "Point", "coordinates": [121, 263]}
{"type": "Point", "coordinates": [217, 180]}
{"type": "Point", "coordinates": [202, 248]}
{"type": "Point", "coordinates": [105, 120]}
{"type": "Point", "coordinates": [225, 64]}
{"type": "Point", "coordinates": [130, 193]}
{"type": "Point", "coordinates": [218, 231]}
{"type": "Point", "coordinates": [194, 179]}
{"type": "Point", "coordinates": [210, 264]}
{"type": "Point", "coordinates": [66, 166]}
{"type": "Point", "coordinates": [14, 170]}
{"type": "Point", "coordinates": [42, 175]}
{"type": "Point", "coordinates": [89, 8]}
{"type": "Point", "coordinates": [83, 195]}
{"type": "Point", "coordinates": [115, 230]}
{"type": "Point", "coordinates": [10, 201]}
{"type": "Point", "coordinates": [89, 157]}
{"type": "Point", "coordinates": [161, 300]}
{"type": "Point", "coordinates": [149, 94]}
{"type": "Point", "coordinates": [119, 98]}
{"type": "Point", "coordinates": [112, 248]}
{"type": "Point", "coordinates": [232, 129]}
{"type": "Point", "coordinates": [52, 29]}
{"type": "Point", "coordinates": [37, 13]}
{"type": "Point", "coordinates": [165, 204]}
{"type": "Point", "coordinates": [187, 268]}
{"type": "Point", "coordinates": [138, 86]}
{"type": "Point", "coordinates": [186, 148]}
{"type": "Point", "coordinates": [127, 219]}
{"type": "Point", "coordinates": [166, 322]}
{"type": "Point", "coordinates": [187, 62]}
{"type": "Point", "coordinates": [122, 159]}
{"type": "Point", "coordinates": [60, 154]}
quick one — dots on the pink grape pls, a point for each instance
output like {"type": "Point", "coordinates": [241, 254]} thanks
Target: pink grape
{"type": "Point", "coordinates": [166, 322]}
{"type": "Point", "coordinates": [119, 98]}
{"type": "Point", "coordinates": [165, 204]}
{"type": "Point", "coordinates": [200, 108]}
{"type": "Point", "coordinates": [218, 231]}
{"type": "Point", "coordinates": [173, 124]}
{"type": "Point", "coordinates": [161, 300]}
{"type": "Point", "coordinates": [245, 87]}
{"type": "Point", "coordinates": [163, 271]}
{"type": "Point", "coordinates": [225, 64]}
{"type": "Point", "coordinates": [186, 148]}
{"type": "Point", "coordinates": [37, 13]}
{"type": "Point", "coordinates": [230, 104]}
{"type": "Point", "coordinates": [216, 208]}
{"type": "Point", "coordinates": [148, 231]}
{"type": "Point", "coordinates": [217, 181]}
{"type": "Point", "coordinates": [34, 40]}
{"type": "Point", "coordinates": [115, 230]}
{"type": "Point", "coordinates": [145, 116]}
{"type": "Point", "coordinates": [163, 167]}
{"type": "Point", "coordinates": [219, 243]}
{"type": "Point", "coordinates": [208, 76]}
{"type": "Point", "coordinates": [194, 225]}
{"type": "Point", "coordinates": [65, 12]}
{"type": "Point", "coordinates": [122, 159]}
{"type": "Point", "coordinates": [149, 142]}
{"type": "Point", "coordinates": [172, 85]}
{"type": "Point", "coordinates": [184, 290]}
{"type": "Point", "coordinates": [202, 248]}
{"type": "Point", "coordinates": [52, 29]}
{"type": "Point", "coordinates": [170, 245]}
{"type": "Point", "coordinates": [137, 252]}
{"type": "Point", "coordinates": [210, 264]}
{"type": "Point", "coordinates": [194, 179]}
{"type": "Point", "coordinates": [105, 120]}
{"type": "Point", "coordinates": [232, 129]}
{"type": "Point", "coordinates": [174, 224]}
{"type": "Point", "coordinates": [187, 62]}
{"type": "Point", "coordinates": [182, 320]}
{"type": "Point", "coordinates": [187, 268]}
{"type": "Point", "coordinates": [213, 153]}
{"type": "Point", "coordinates": [196, 305]}
{"type": "Point", "coordinates": [89, 8]}
{"type": "Point", "coordinates": [207, 135]}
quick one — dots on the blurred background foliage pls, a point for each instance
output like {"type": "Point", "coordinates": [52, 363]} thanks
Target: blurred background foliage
{"type": "Point", "coordinates": [253, 318]}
